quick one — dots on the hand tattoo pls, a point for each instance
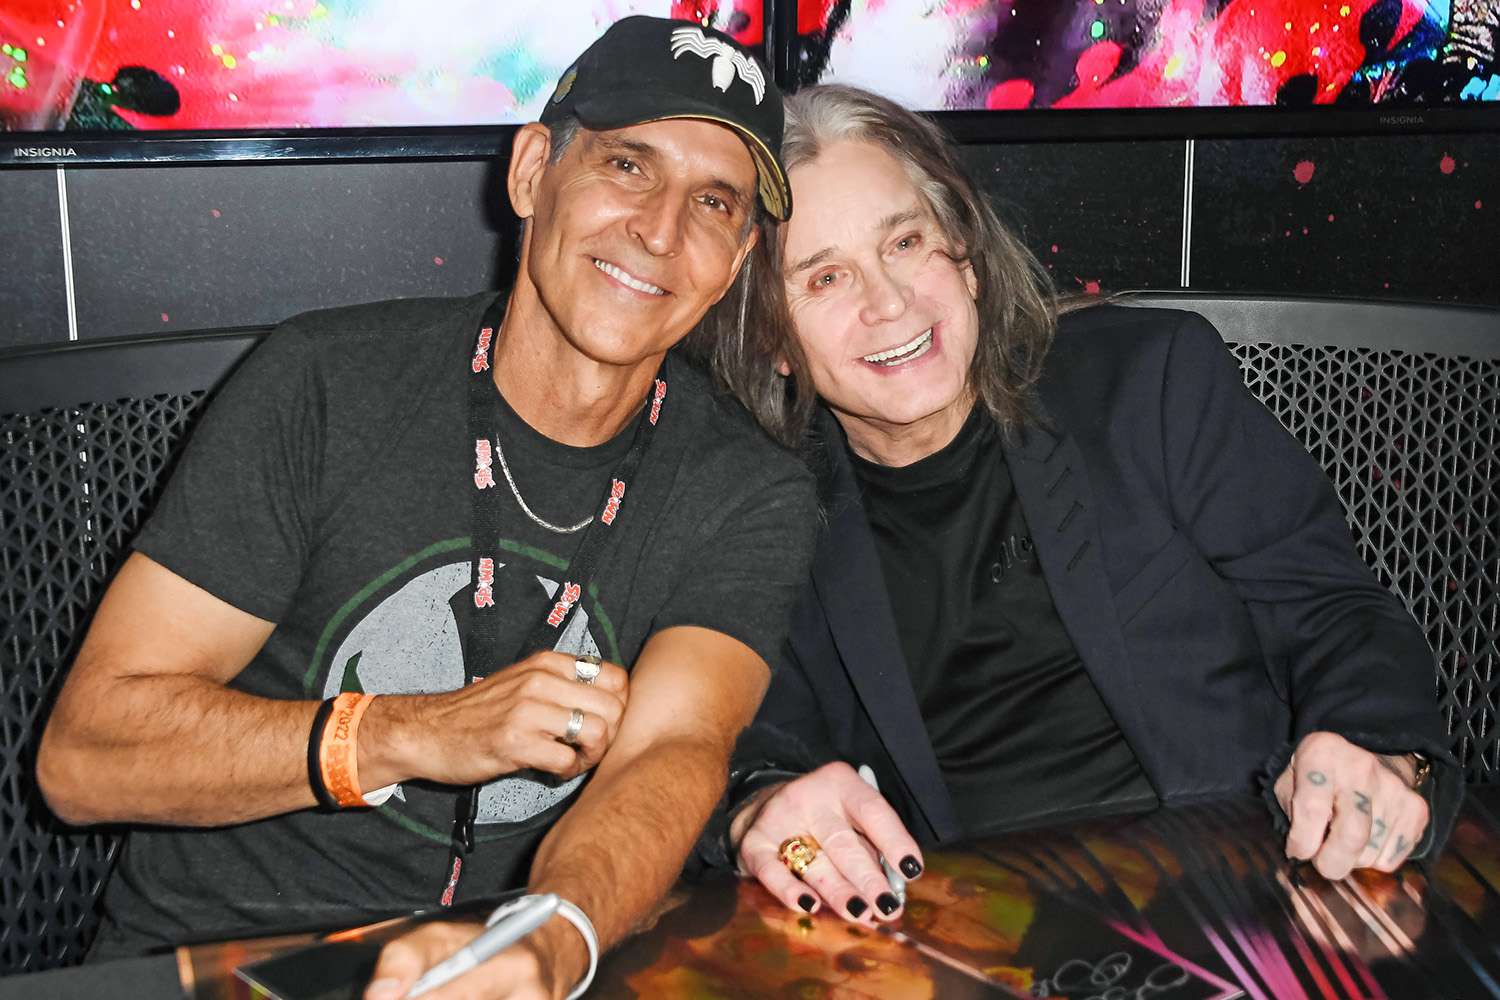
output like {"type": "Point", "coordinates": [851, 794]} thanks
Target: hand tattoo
{"type": "Point", "coordinates": [1362, 802]}
{"type": "Point", "coordinates": [1377, 834]}
{"type": "Point", "coordinates": [1400, 845]}
{"type": "Point", "coordinates": [1317, 777]}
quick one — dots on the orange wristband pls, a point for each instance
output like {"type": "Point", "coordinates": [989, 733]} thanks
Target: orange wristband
{"type": "Point", "coordinates": [338, 749]}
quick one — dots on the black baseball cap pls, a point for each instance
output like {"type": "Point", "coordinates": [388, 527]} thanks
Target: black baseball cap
{"type": "Point", "coordinates": [646, 69]}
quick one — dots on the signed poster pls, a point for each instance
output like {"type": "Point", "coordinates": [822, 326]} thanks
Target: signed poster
{"type": "Point", "coordinates": [1182, 904]}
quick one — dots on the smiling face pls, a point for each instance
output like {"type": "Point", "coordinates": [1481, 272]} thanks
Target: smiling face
{"type": "Point", "coordinates": [634, 233]}
{"type": "Point", "coordinates": [885, 318]}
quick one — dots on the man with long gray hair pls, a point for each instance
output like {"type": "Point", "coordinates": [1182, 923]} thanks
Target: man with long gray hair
{"type": "Point", "coordinates": [1070, 565]}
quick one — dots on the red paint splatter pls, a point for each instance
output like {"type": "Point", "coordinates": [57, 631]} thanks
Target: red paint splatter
{"type": "Point", "coordinates": [1223, 59]}
{"type": "Point", "coordinates": [438, 261]}
{"type": "Point", "coordinates": [1090, 287]}
{"type": "Point", "coordinates": [812, 18]}
{"type": "Point", "coordinates": [1054, 246]}
{"type": "Point", "coordinates": [1304, 171]}
{"type": "Point", "coordinates": [215, 213]}
{"type": "Point", "coordinates": [1446, 164]}
{"type": "Point", "coordinates": [1010, 95]}
{"type": "Point", "coordinates": [1478, 204]}
{"type": "Point", "coordinates": [746, 18]}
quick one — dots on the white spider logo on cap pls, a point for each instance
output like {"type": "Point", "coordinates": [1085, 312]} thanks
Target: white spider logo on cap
{"type": "Point", "coordinates": [727, 61]}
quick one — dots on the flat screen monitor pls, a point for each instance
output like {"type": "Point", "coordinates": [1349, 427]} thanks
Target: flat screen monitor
{"type": "Point", "coordinates": [103, 80]}
{"type": "Point", "coordinates": [1136, 67]}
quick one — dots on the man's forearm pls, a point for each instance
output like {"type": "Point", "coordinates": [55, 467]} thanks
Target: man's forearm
{"type": "Point", "coordinates": [175, 749]}
{"type": "Point", "coordinates": [187, 751]}
{"type": "Point", "coordinates": [620, 848]}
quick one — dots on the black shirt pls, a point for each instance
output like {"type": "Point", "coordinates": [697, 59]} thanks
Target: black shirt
{"type": "Point", "coordinates": [1018, 728]}
{"type": "Point", "coordinates": [328, 490]}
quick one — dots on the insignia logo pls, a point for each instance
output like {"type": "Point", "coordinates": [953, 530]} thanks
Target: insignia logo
{"type": "Point", "coordinates": [725, 61]}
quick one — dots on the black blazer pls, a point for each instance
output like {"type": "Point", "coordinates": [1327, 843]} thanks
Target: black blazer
{"type": "Point", "coordinates": [1198, 558]}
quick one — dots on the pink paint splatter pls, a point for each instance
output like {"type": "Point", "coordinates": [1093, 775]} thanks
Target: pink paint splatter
{"type": "Point", "coordinates": [438, 261]}
{"type": "Point", "coordinates": [1304, 230]}
{"type": "Point", "coordinates": [1304, 171]}
{"type": "Point", "coordinates": [1090, 287]}
{"type": "Point", "coordinates": [1478, 204]}
{"type": "Point", "coordinates": [1447, 164]}
{"type": "Point", "coordinates": [1010, 95]}
{"type": "Point", "coordinates": [1330, 216]}
{"type": "Point", "coordinates": [1054, 246]}
{"type": "Point", "coordinates": [215, 213]}
{"type": "Point", "coordinates": [165, 318]}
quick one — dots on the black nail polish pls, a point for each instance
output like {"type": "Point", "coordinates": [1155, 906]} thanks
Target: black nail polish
{"type": "Point", "coordinates": [806, 902]}
{"type": "Point", "coordinates": [888, 904]}
{"type": "Point", "coordinates": [910, 866]}
{"type": "Point", "coordinates": [857, 907]}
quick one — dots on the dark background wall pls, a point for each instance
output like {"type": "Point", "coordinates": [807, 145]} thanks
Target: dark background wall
{"type": "Point", "coordinates": [125, 251]}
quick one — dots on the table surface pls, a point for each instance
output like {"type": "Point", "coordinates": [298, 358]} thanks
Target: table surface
{"type": "Point", "coordinates": [1193, 903]}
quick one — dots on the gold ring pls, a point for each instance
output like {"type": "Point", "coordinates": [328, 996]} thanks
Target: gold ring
{"type": "Point", "coordinates": [798, 852]}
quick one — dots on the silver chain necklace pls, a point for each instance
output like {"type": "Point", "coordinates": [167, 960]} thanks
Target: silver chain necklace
{"type": "Point", "coordinates": [511, 481]}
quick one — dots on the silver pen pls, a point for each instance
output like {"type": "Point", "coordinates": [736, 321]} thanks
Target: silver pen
{"type": "Point", "coordinates": [529, 914]}
{"type": "Point", "coordinates": [892, 876]}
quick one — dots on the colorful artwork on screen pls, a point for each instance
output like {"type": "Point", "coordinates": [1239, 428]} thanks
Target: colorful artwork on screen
{"type": "Point", "coordinates": [1010, 54]}
{"type": "Point", "coordinates": [270, 64]}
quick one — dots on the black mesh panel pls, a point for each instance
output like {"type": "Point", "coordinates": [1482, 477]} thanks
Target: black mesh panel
{"type": "Point", "coordinates": [74, 486]}
{"type": "Point", "coordinates": [1410, 442]}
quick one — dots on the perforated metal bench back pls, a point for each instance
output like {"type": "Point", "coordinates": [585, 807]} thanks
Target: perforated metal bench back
{"type": "Point", "coordinates": [1400, 404]}
{"type": "Point", "coordinates": [75, 484]}
{"type": "Point", "coordinates": [1409, 435]}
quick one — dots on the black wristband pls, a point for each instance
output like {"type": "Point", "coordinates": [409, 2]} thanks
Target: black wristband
{"type": "Point", "coordinates": [742, 788]}
{"type": "Point", "coordinates": [326, 801]}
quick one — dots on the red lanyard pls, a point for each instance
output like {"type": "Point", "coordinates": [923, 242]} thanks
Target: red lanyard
{"type": "Point", "coordinates": [482, 643]}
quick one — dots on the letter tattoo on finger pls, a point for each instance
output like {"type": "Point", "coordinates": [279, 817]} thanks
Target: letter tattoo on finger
{"type": "Point", "coordinates": [1362, 802]}
{"type": "Point", "coordinates": [1401, 845]}
{"type": "Point", "coordinates": [1317, 777]}
{"type": "Point", "coordinates": [1377, 833]}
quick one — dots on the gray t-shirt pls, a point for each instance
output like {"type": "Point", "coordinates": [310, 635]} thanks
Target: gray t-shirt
{"type": "Point", "coordinates": [328, 490]}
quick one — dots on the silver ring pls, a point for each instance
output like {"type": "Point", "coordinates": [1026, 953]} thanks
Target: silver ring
{"type": "Point", "coordinates": [586, 668]}
{"type": "Point", "coordinates": [575, 726]}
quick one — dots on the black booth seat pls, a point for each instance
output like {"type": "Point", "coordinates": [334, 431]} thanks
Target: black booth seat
{"type": "Point", "coordinates": [1399, 403]}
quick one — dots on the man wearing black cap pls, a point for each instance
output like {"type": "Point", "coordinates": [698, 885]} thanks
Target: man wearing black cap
{"type": "Point", "coordinates": [425, 562]}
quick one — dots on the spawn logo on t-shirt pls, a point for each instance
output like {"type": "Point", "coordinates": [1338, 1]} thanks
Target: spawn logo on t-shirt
{"type": "Point", "coordinates": [403, 634]}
